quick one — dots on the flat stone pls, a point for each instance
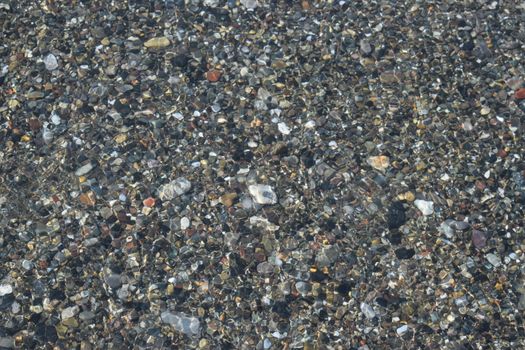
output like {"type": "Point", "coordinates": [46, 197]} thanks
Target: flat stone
{"type": "Point", "coordinates": [157, 43]}
{"type": "Point", "coordinates": [84, 169]}
{"type": "Point", "coordinates": [493, 259]}
{"type": "Point", "coordinates": [181, 322]}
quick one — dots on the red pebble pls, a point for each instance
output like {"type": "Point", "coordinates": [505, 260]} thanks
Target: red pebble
{"type": "Point", "coordinates": [520, 94]}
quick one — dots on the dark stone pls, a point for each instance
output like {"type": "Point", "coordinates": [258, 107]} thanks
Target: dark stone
{"type": "Point", "coordinates": [282, 309]}
{"type": "Point", "coordinates": [344, 288]}
{"type": "Point", "coordinates": [395, 238]}
{"type": "Point", "coordinates": [123, 109]}
{"type": "Point", "coordinates": [405, 253]}
{"type": "Point", "coordinates": [396, 215]}
{"type": "Point", "coordinates": [318, 276]}
{"type": "Point", "coordinates": [181, 60]}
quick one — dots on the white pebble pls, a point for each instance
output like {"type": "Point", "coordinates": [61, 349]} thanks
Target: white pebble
{"type": "Point", "coordinates": [84, 169]}
{"type": "Point", "coordinates": [283, 128]}
{"type": "Point", "coordinates": [367, 311]}
{"type": "Point", "coordinates": [5, 289]}
{"type": "Point", "coordinates": [494, 259]}
{"type": "Point", "coordinates": [69, 312]}
{"type": "Point", "coordinates": [426, 207]}
{"type": "Point", "coordinates": [402, 330]}
{"type": "Point", "coordinates": [51, 62]}
{"type": "Point", "coordinates": [184, 223]}
{"type": "Point", "coordinates": [181, 322]}
{"type": "Point", "coordinates": [262, 194]}
{"type": "Point", "coordinates": [309, 124]}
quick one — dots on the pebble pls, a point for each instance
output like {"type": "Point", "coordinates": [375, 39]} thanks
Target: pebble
{"type": "Point", "coordinates": [181, 322]}
{"type": "Point", "coordinates": [380, 163]}
{"type": "Point", "coordinates": [479, 239]}
{"type": "Point", "coordinates": [175, 188]}
{"type": "Point", "coordinates": [250, 4]}
{"type": "Point", "coordinates": [84, 169]}
{"type": "Point", "coordinates": [149, 202]}
{"type": "Point", "coordinates": [157, 43]}
{"type": "Point", "coordinates": [485, 110]}
{"type": "Point", "coordinates": [367, 311]}
{"type": "Point", "coordinates": [171, 109]}
{"type": "Point", "coordinates": [114, 281]}
{"type": "Point", "coordinates": [69, 312]}
{"type": "Point", "coordinates": [265, 268]}
{"type": "Point", "coordinates": [5, 289]}
{"type": "Point", "coordinates": [494, 259]}
{"type": "Point", "coordinates": [262, 194]}
{"type": "Point", "coordinates": [405, 253]}
{"type": "Point", "coordinates": [365, 46]}
{"type": "Point", "coordinates": [519, 94]}
{"type": "Point", "coordinates": [396, 216]}
{"type": "Point", "coordinates": [283, 128]}
{"type": "Point", "coordinates": [402, 330]}
{"type": "Point", "coordinates": [51, 62]}
{"type": "Point", "coordinates": [184, 223]}
{"type": "Point", "coordinates": [213, 75]}
{"type": "Point", "coordinates": [426, 207]}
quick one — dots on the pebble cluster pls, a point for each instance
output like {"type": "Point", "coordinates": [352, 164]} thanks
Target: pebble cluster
{"type": "Point", "coordinates": [262, 174]}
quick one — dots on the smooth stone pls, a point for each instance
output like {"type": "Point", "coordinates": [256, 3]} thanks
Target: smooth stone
{"type": "Point", "coordinates": [84, 169]}
{"type": "Point", "coordinates": [51, 62]}
{"type": "Point", "coordinates": [380, 163]}
{"type": "Point", "coordinates": [114, 281]}
{"type": "Point", "coordinates": [86, 315]}
{"type": "Point", "coordinates": [265, 268]}
{"type": "Point", "coordinates": [157, 43]}
{"type": "Point", "coordinates": [479, 239]}
{"type": "Point", "coordinates": [184, 223]}
{"type": "Point", "coordinates": [283, 128]}
{"type": "Point", "coordinates": [402, 330]}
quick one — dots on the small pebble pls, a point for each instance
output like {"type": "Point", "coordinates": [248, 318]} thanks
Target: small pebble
{"type": "Point", "coordinates": [380, 163]}
{"type": "Point", "coordinates": [157, 43]}
{"type": "Point", "coordinates": [184, 223]}
{"type": "Point", "coordinates": [493, 259]}
{"type": "Point", "coordinates": [262, 194]}
{"type": "Point", "coordinates": [426, 207]}
{"type": "Point", "coordinates": [402, 330]}
{"type": "Point", "coordinates": [5, 289]}
{"type": "Point", "coordinates": [51, 62]}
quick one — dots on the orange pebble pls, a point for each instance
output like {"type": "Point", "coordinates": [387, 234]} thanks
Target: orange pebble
{"type": "Point", "coordinates": [149, 202]}
{"type": "Point", "coordinates": [213, 75]}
